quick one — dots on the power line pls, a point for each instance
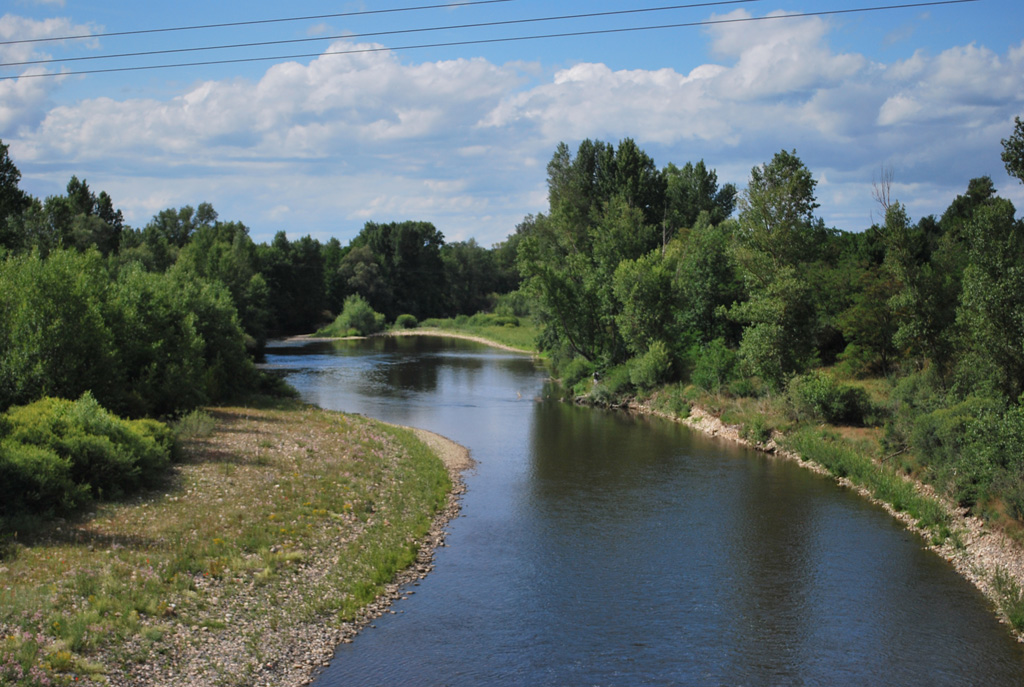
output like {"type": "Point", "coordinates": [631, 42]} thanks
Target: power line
{"type": "Point", "coordinates": [253, 22]}
{"type": "Point", "coordinates": [484, 41]}
{"type": "Point", "coordinates": [479, 25]}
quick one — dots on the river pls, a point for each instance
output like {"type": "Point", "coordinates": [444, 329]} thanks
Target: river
{"type": "Point", "coordinates": [599, 548]}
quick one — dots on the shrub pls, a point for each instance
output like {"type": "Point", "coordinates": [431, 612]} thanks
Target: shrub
{"type": "Point", "coordinates": [652, 368]}
{"type": "Point", "coordinates": [757, 430]}
{"type": "Point", "coordinates": [406, 321]}
{"type": "Point", "coordinates": [818, 395]}
{"type": "Point", "coordinates": [714, 367]}
{"type": "Point", "coordinates": [612, 386]}
{"type": "Point", "coordinates": [58, 453]}
{"type": "Point", "coordinates": [357, 318]}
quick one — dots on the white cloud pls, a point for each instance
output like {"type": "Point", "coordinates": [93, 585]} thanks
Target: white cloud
{"type": "Point", "coordinates": [322, 147]}
{"type": "Point", "coordinates": [23, 100]}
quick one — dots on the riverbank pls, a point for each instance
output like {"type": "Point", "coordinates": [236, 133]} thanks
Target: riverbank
{"type": "Point", "coordinates": [990, 560]}
{"type": "Point", "coordinates": [447, 333]}
{"type": "Point", "coordinates": [280, 535]}
{"type": "Point", "coordinates": [428, 331]}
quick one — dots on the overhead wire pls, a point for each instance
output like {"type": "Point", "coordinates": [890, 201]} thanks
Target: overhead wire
{"type": "Point", "coordinates": [377, 34]}
{"type": "Point", "coordinates": [253, 22]}
{"type": "Point", "coordinates": [484, 41]}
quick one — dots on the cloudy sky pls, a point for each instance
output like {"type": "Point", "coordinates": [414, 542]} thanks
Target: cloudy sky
{"type": "Point", "coordinates": [352, 119]}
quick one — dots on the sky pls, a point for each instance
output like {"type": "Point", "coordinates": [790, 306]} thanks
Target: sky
{"type": "Point", "coordinates": [301, 140]}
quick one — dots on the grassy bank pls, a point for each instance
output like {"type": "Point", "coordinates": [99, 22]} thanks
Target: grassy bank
{"type": "Point", "coordinates": [517, 333]}
{"type": "Point", "coordinates": [278, 527]}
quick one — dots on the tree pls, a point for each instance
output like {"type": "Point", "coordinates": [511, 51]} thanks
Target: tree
{"type": "Point", "coordinates": [777, 227]}
{"type": "Point", "coordinates": [472, 277]}
{"type": "Point", "coordinates": [694, 189]}
{"type": "Point", "coordinates": [606, 205]}
{"type": "Point", "coordinates": [991, 311]}
{"type": "Point", "coordinates": [294, 276]}
{"type": "Point", "coordinates": [1013, 151]}
{"type": "Point", "coordinates": [776, 240]}
{"type": "Point", "coordinates": [13, 201]}
{"type": "Point", "coordinates": [408, 256]}
{"type": "Point", "coordinates": [224, 252]}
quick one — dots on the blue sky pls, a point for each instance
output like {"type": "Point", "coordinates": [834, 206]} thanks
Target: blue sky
{"type": "Point", "coordinates": [460, 135]}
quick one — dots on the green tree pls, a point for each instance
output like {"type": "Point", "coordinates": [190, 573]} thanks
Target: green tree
{"type": "Point", "coordinates": [991, 312]}
{"type": "Point", "coordinates": [776, 239]}
{"type": "Point", "coordinates": [13, 201]}
{"type": "Point", "coordinates": [1013, 151]}
{"type": "Point", "coordinates": [606, 205]}
{"type": "Point", "coordinates": [294, 276]}
{"type": "Point", "coordinates": [693, 189]}
{"type": "Point", "coordinates": [224, 252]}
{"type": "Point", "coordinates": [471, 275]}
{"type": "Point", "coordinates": [54, 340]}
{"type": "Point", "coordinates": [409, 263]}
{"type": "Point", "coordinates": [707, 282]}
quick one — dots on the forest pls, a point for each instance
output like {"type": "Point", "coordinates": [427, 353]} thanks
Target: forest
{"type": "Point", "coordinates": [638, 278]}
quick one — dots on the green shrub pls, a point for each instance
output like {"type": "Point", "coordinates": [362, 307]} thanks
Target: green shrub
{"type": "Point", "coordinates": [577, 376]}
{"type": "Point", "coordinates": [652, 368]}
{"type": "Point", "coordinates": [817, 395]}
{"type": "Point", "coordinates": [757, 430]}
{"type": "Point", "coordinates": [406, 321]}
{"type": "Point", "coordinates": [357, 318]}
{"type": "Point", "coordinates": [612, 386]}
{"type": "Point", "coordinates": [34, 479]}
{"type": "Point", "coordinates": [715, 366]}
{"type": "Point", "coordinates": [58, 453]}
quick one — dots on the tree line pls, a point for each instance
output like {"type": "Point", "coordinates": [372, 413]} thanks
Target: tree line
{"type": "Point", "coordinates": [160, 319]}
{"type": "Point", "coordinates": [645, 277]}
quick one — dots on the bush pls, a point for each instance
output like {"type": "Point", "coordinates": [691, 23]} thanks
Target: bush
{"type": "Point", "coordinates": [612, 387]}
{"type": "Point", "coordinates": [357, 318]}
{"type": "Point", "coordinates": [714, 367]}
{"type": "Point", "coordinates": [757, 430]}
{"type": "Point", "coordinates": [652, 368]}
{"type": "Point", "coordinates": [817, 395]}
{"type": "Point", "coordinates": [406, 321]}
{"type": "Point", "coordinates": [577, 376]}
{"type": "Point", "coordinates": [58, 453]}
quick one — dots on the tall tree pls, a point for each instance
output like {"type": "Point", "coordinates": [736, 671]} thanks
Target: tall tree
{"type": "Point", "coordinates": [408, 255]}
{"type": "Point", "coordinates": [606, 205]}
{"type": "Point", "coordinates": [693, 189]}
{"type": "Point", "coordinates": [13, 201]}
{"type": "Point", "coordinates": [1013, 151]}
{"type": "Point", "coordinates": [777, 237]}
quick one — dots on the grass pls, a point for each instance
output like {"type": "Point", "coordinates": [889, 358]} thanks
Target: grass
{"type": "Point", "coordinates": [522, 336]}
{"type": "Point", "coordinates": [275, 514]}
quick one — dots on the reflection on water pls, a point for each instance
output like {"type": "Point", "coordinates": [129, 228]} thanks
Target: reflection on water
{"type": "Point", "coordinates": [597, 548]}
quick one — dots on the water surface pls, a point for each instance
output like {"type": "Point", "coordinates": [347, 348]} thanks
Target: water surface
{"type": "Point", "coordinates": [598, 548]}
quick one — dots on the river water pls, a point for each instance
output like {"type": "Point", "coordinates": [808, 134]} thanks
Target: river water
{"type": "Point", "coordinates": [598, 548]}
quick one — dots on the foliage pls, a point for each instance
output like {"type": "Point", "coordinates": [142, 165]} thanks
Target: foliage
{"type": "Point", "coordinates": [715, 366]}
{"type": "Point", "coordinates": [1013, 151]}
{"type": "Point", "coordinates": [406, 321]}
{"type": "Point", "coordinates": [652, 368]}
{"type": "Point", "coordinates": [398, 268]}
{"type": "Point", "coordinates": [55, 455]}
{"type": "Point", "coordinates": [991, 312]}
{"type": "Point", "coordinates": [143, 343]}
{"type": "Point", "coordinates": [757, 430]}
{"type": "Point", "coordinates": [357, 318]}
{"type": "Point", "coordinates": [578, 375]}
{"type": "Point", "coordinates": [819, 396]}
